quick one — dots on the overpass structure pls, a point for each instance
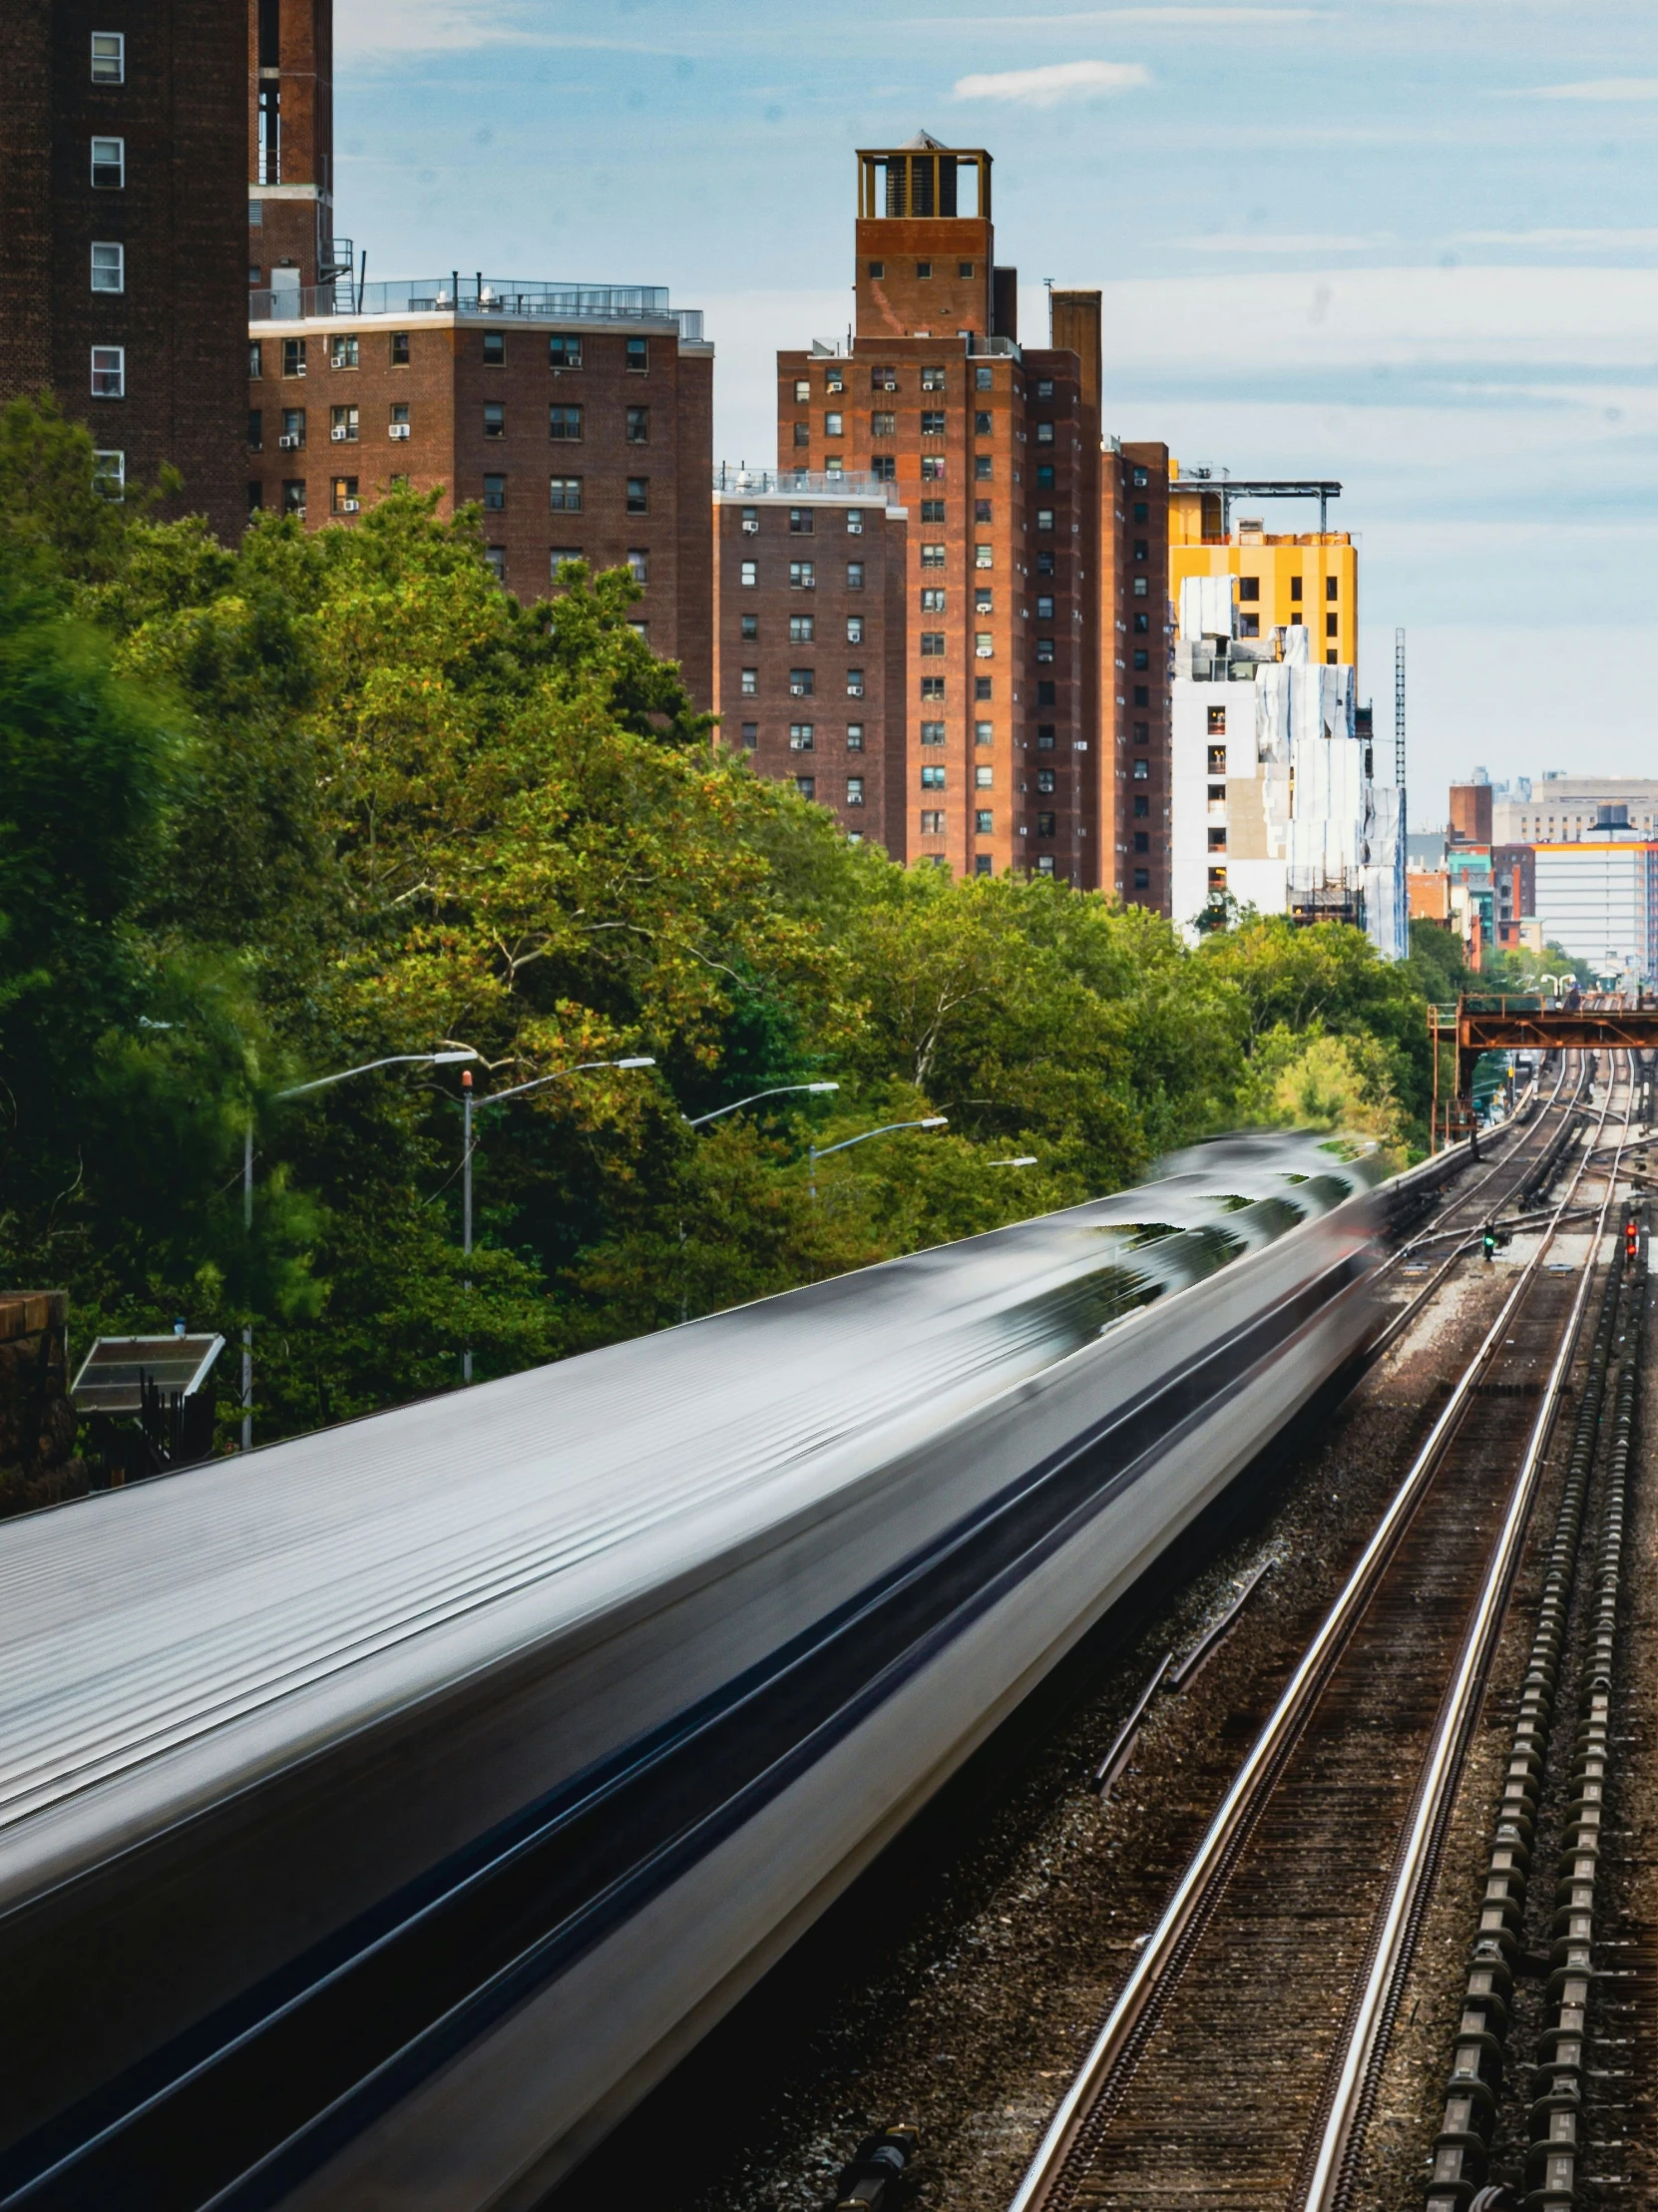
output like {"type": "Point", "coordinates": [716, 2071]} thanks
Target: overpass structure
{"type": "Point", "coordinates": [1529, 1024]}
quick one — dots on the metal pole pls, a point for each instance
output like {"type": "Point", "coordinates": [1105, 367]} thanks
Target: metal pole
{"type": "Point", "coordinates": [1398, 723]}
{"type": "Point", "coordinates": [248, 1247]}
{"type": "Point", "coordinates": [812, 1152]}
{"type": "Point", "coordinates": [466, 1207]}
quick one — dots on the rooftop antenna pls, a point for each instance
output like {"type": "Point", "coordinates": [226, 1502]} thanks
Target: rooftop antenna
{"type": "Point", "coordinates": [1399, 723]}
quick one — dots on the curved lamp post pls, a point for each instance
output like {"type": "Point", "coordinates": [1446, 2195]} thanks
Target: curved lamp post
{"type": "Point", "coordinates": [442, 1059]}
{"type": "Point", "coordinates": [695, 1121]}
{"type": "Point", "coordinates": [817, 1152]}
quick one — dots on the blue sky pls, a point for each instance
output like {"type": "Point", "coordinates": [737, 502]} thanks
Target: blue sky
{"type": "Point", "coordinates": [1409, 244]}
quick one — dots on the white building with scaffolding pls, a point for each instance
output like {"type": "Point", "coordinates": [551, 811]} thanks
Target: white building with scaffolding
{"type": "Point", "coordinates": [1274, 799]}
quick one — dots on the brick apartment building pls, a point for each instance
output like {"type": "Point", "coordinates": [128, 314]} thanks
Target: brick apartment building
{"type": "Point", "coordinates": [291, 145]}
{"type": "Point", "coordinates": [810, 638]}
{"type": "Point", "coordinates": [122, 274]}
{"type": "Point", "coordinates": [994, 452]}
{"type": "Point", "coordinates": [1136, 646]}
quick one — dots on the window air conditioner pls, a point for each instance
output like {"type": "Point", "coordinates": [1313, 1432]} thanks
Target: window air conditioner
{"type": "Point", "coordinates": [289, 441]}
{"type": "Point", "coordinates": [339, 433]}
{"type": "Point", "coordinates": [349, 506]}
{"type": "Point", "coordinates": [751, 530]}
{"type": "Point", "coordinates": [399, 430]}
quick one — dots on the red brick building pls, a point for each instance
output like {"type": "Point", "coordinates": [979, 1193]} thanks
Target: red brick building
{"type": "Point", "coordinates": [122, 274]}
{"type": "Point", "coordinates": [993, 451]}
{"type": "Point", "coordinates": [1136, 652]}
{"type": "Point", "coordinates": [579, 419]}
{"type": "Point", "coordinates": [810, 640]}
{"type": "Point", "coordinates": [291, 145]}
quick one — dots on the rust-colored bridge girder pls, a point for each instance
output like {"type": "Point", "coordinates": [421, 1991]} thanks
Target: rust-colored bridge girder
{"type": "Point", "coordinates": [1523, 1024]}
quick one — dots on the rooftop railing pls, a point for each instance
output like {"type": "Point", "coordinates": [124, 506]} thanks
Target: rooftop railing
{"type": "Point", "coordinates": [491, 299]}
{"type": "Point", "coordinates": [848, 484]}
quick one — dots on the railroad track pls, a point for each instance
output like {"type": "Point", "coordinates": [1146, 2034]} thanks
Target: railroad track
{"type": "Point", "coordinates": [1240, 2060]}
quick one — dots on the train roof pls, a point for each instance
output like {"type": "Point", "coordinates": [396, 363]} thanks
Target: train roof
{"type": "Point", "coordinates": [166, 1641]}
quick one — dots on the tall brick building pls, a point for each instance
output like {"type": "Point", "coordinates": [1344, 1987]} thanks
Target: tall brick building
{"type": "Point", "coordinates": [993, 451]}
{"type": "Point", "coordinates": [810, 638]}
{"type": "Point", "coordinates": [291, 145]}
{"type": "Point", "coordinates": [1136, 654]}
{"type": "Point", "coordinates": [122, 272]}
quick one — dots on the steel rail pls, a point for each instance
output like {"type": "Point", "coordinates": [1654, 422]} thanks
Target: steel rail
{"type": "Point", "coordinates": [1163, 1954]}
{"type": "Point", "coordinates": [1371, 2020]}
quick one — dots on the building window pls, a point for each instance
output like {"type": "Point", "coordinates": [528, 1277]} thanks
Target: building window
{"type": "Point", "coordinates": [750, 626]}
{"type": "Point", "coordinates": [800, 521]}
{"type": "Point", "coordinates": [1142, 734]}
{"type": "Point", "coordinates": [1218, 765]}
{"type": "Point", "coordinates": [1140, 480]}
{"type": "Point", "coordinates": [832, 426]}
{"type": "Point", "coordinates": [854, 576]}
{"type": "Point", "coordinates": [982, 599]}
{"type": "Point", "coordinates": [1142, 512]}
{"type": "Point", "coordinates": [982, 468]}
{"type": "Point", "coordinates": [1045, 648]}
{"type": "Point", "coordinates": [1044, 521]}
{"type": "Point", "coordinates": [495, 419]}
{"type": "Point", "coordinates": [802, 736]}
{"type": "Point", "coordinates": [932, 378]}
{"type": "Point", "coordinates": [109, 57]}
{"type": "Point", "coordinates": [932, 778]}
{"type": "Point", "coordinates": [854, 522]}
{"type": "Point", "coordinates": [292, 438]}
{"type": "Point", "coordinates": [1217, 880]}
{"type": "Point", "coordinates": [565, 494]}
{"type": "Point", "coordinates": [878, 270]}
{"type": "Point", "coordinates": [924, 268]}
{"type": "Point", "coordinates": [1295, 587]}
{"type": "Point", "coordinates": [883, 379]}
{"type": "Point", "coordinates": [982, 825]}
{"type": "Point", "coordinates": [932, 644]}
{"type": "Point", "coordinates": [853, 630]}
{"type": "Point", "coordinates": [854, 736]}
{"type": "Point", "coordinates": [1143, 694]}
{"type": "Point", "coordinates": [1249, 587]}
{"type": "Point", "coordinates": [109, 163]}
{"type": "Point", "coordinates": [931, 422]}
{"type": "Point", "coordinates": [802, 433]}
{"type": "Point", "coordinates": [802, 576]}
{"type": "Point", "coordinates": [293, 496]}
{"type": "Point", "coordinates": [984, 778]}
{"type": "Point", "coordinates": [806, 785]}
{"type": "Point", "coordinates": [496, 558]}
{"type": "Point", "coordinates": [932, 556]}
{"type": "Point", "coordinates": [1045, 483]}
{"type": "Point", "coordinates": [982, 511]}
{"type": "Point", "coordinates": [1331, 657]}
{"type": "Point", "coordinates": [639, 564]}
{"type": "Point", "coordinates": [932, 825]}
{"type": "Point", "coordinates": [1143, 625]}
{"type": "Point", "coordinates": [293, 357]}
{"type": "Point", "coordinates": [641, 631]}
{"type": "Point", "coordinates": [255, 496]}
{"type": "Point", "coordinates": [932, 510]}
{"type": "Point", "coordinates": [802, 628]}
{"type": "Point", "coordinates": [932, 688]}
{"type": "Point", "coordinates": [984, 645]}
{"type": "Point", "coordinates": [343, 351]}
{"type": "Point", "coordinates": [834, 380]}
{"type": "Point", "coordinates": [557, 558]}
{"type": "Point", "coordinates": [1332, 588]}
{"type": "Point", "coordinates": [109, 372]}
{"type": "Point", "coordinates": [932, 734]}
{"type": "Point", "coordinates": [982, 424]}
{"type": "Point", "coordinates": [563, 422]}
{"type": "Point", "coordinates": [1045, 779]}
{"type": "Point", "coordinates": [343, 425]}
{"type": "Point", "coordinates": [1217, 840]}
{"type": "Point", "coordinates": [882, 425]}
{"type": "Point", "coordinates": [494, 348]}
{"type": "Point", "coordinates": [1142, 658]}
{"type": "Point", "coordinates": [639, 356]}
{"type": "Point", "coordinates": [983, 380]}
{"type": "Point", "coordinates": [1329, 625]}
{"type": "Point", "coordinates": [1044, 737]}
{"type": "Point", "coordinates": [1044, 825]}
{"type": "Point", "coordinates": [853, 790]}
{"type": "Point", "coordinates": [1142, 879]}
{"type": "Point", "coordinates": [1045, 610]}
{"type": "Point", "coordinates": [932, 598]}
{"type": "Point", "coordinates": [750, 682]}
{"type": "Point", "coordinates": [1046, 693]}
{"type": "Point", "coordinates": [802, 391]}
{"type": "Point", "coordinates": [109, 472]}
{"type": "Point", "coordinates": [984, 556]}
{"type": "Point", "coordinates": [563, 352]}
{"type": "Point", "coordinates": [255, 359]}
{"type": "Point", "coordinates": [750, 575]}
{"type": "Point", "coordinates": [1142, 584]}
{"type": "Point", "coordinates": [1044, 433]}
{"type": "Point", "coordinates": [803, 683]}
{"type": "Point", "coordinates": [1249, 625]}
{"type": "Point", "coordinates": [109, 268]}
{"type": "Point", "coordinates": [982, 688]}
{"type": "Point", "coordinates": [343, 500]}
{"type": "Point", "coordinates": [931, 467]}
{"type": "Point", "coordinates": [1142, 808]}
{"type": "Point", "coordinates": [983, 733]}
{"type": "Point", "coordinates": [638, 495]}
{"type": "Point", "coordinates": [495, 494]}
{"type": "Point", "coordinates": [854, 684]}
{"type": "Point", "coordinates": [750, 735]}
{"type": "Point", "coordinates": [400, 349]}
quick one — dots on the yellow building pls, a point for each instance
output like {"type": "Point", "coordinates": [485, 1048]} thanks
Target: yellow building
{"type": "Point", "coordinates": [1215, 529]}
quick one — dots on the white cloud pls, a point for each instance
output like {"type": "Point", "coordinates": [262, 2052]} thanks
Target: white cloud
{"type": "Point", "coordinates": [1592, 87]}
{"type": "Point", "coordinates": [1249, 241]}
{"type": "Point", "coordinates": [366, 28]}
{"type": "Point", "coordinates": [1628, 241]}
{"type": "Point", "coordinates": [1057, 81]}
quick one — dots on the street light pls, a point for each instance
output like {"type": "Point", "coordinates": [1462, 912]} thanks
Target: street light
{"type": "Point", "coordinates": [1024, 1159]}
{"type": "Point", "coordinates": [695, 1121]}
{"type": "Point", "coordinates": [444, 1058]}
{"type": "Point", "coordinates": [818, 1153]}
{"type": "Point", "coordinates": [496, 1098]}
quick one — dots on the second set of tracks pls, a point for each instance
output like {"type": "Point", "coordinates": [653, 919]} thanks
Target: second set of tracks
{"type": "Point", "coordinates": [1241, 2059]}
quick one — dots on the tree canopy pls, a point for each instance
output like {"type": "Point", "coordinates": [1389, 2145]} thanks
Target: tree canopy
{"type": "Point", "coordinates": [277, 812]}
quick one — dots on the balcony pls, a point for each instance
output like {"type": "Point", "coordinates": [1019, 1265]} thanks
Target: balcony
{"type": "Point", "coordinates": [491, 299]}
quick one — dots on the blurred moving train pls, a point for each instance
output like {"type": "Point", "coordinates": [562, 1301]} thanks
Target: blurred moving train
{"type": "Point", "coordinates": [382, 1814]}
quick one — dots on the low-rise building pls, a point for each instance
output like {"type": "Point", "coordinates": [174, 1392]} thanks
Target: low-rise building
{"type": "Point", "coordinates": [1597, 898]}
{"type": "Point", "coordinates": [578, 417]}
{"type": "Point", "coordinates": [1559, 808]}
{"type": "Point", "coordinates": [810, 641]}
{"type": "Point", "coordinates": [1276, 804]}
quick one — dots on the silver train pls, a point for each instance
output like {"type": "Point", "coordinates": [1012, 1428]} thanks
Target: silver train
{"type": "Point", "coordinates": [382, 1814]}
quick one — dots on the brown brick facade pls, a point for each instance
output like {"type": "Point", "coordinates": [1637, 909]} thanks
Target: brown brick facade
{"type": "Point", "coordinates": [165, 92]}
{"type": "Point", "coordinates": [290, 139]}
{"type": "Point", "coordinates": [1136, 648]}
{"type": "Point", "coordinates": [809, 645]}
{"type": "Point", "coordinates": [992, 452]}
{"type": "Point", "coordinates": [477, 396]}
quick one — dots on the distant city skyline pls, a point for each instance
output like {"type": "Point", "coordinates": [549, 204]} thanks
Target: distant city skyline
{"type": "Point", "coordinates": [1391, 243]}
